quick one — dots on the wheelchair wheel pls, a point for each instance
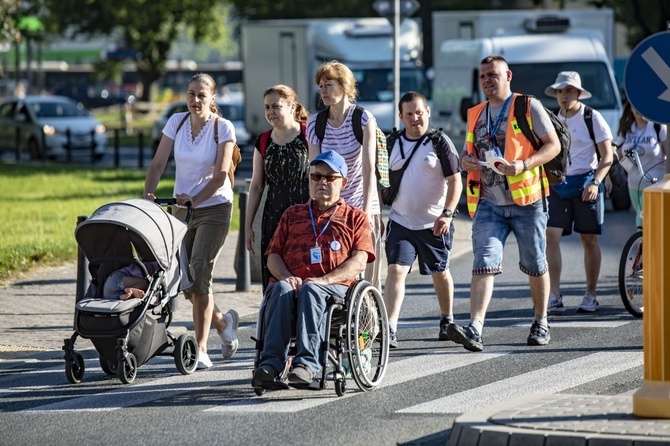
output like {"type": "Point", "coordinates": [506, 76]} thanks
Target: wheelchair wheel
{"type": "Point", "coordinates": [340, 386]}
{"type": "Point", "coordinates": [630, 275]}
{"type": "Point", "coordinates": [367, 336]}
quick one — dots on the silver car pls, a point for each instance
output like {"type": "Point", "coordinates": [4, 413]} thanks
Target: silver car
{"type": "Point", "coordinates": [231, 110]}
{"type": "Point", "coordinates": [44, 127]}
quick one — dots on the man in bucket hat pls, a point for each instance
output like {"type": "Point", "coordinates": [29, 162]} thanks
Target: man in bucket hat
{"type": "Point", "coordinates": [578, 203]}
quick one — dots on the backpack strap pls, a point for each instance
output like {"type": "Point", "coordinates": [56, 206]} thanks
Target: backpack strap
{"type": "Point", "coordinates": [657, 127]}
{"type": "Point", "coordinates": [391, 140]}
{"type": "Point", "coordinates": [520, 108]}
{"type": "Point", "coordinates": [357, 123]}
{"type": "Point", "coordinates": [303, 133]}
{"type": "Point", "coordinates": [264, 141]}
{"type": "Point", "coordinates": [588, 119]}
{"type": "Point", "coordinates": [216, 130]}
{"type": "Point", "coordinates": [320, 124]}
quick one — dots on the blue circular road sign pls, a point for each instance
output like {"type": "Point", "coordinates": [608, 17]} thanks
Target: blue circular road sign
{"type": "Point", "coordinates": [647, 78]}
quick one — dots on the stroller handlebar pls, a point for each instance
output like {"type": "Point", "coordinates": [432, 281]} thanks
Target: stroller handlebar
{"type": "Point", "coordinates": [172, 201]}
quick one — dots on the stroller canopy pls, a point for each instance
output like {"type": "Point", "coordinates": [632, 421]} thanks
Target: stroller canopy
{"type": "Point", "coordinates": [115, 229]}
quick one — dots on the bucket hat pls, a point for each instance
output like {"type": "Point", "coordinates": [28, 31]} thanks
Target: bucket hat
{"type": "Point", "coordinates": [564, 79]}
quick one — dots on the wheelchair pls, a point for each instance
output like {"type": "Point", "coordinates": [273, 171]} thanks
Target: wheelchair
{"type": "Point", "coordinates": [356, 329]}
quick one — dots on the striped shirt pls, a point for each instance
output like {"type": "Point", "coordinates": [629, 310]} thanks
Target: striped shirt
{"type": "Point", "coordinates": [343, 141]}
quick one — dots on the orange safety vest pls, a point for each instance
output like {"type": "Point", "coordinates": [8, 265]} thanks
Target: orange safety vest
{"type": "Point", "coordinates": [525, 187]}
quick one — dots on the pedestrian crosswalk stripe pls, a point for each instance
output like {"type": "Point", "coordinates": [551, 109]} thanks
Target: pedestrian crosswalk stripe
{"type": "Point", "coordinates": [398, 372]}
{"type": "Point", "coordinates": [552, 379]}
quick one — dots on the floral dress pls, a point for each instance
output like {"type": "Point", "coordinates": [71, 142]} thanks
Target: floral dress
{"type": "Point", "coordinates": [286, 171]}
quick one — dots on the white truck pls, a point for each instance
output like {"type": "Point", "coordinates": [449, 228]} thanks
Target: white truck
{"type": "Point", "coordinates": [290, 51]}
{"type": "Point", "coordinates": [537, 45]}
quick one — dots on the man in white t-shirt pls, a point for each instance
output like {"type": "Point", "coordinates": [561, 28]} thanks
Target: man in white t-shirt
{"type": "Point", "coordinates": [578, 202]}
{"type": "Point", "coordinates": [421, 220]}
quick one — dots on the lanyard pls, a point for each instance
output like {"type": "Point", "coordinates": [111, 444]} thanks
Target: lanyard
{"type": "Point", "coordinates": [311, 216]}
{"type": "Point", "coordinates": [494, 127]}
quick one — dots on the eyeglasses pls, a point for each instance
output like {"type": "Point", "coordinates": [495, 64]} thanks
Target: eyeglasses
{"type": "Point", "coordinates": [316, 177]}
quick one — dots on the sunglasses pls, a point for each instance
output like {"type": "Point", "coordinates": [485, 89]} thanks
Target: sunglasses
{"type": "Point", "coordinates": [329, 178]}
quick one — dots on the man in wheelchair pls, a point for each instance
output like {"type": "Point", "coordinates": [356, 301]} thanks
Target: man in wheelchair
{"type": "Point", "coordinates": [317, 251]}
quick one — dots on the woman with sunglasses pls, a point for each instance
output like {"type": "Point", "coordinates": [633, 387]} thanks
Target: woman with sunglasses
{"type": "Point", "coordinates": [281, 162]}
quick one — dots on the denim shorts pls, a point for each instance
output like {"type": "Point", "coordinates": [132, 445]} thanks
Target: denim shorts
{"type": "Point", "coordinates": [404, 245]}
{"type": "Point", "coordinates": [588, 217]}
{"type": "Point", "coordinates": [207, 230]}
{"type": "Point", "coordinates": [492, 225]}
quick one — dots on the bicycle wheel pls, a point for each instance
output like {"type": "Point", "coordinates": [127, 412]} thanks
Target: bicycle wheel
{"type": "Point", "coordinates": [630, 275]}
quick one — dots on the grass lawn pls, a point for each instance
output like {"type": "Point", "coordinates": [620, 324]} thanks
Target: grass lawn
{"type": "Point", "coordinates": [41, 205]}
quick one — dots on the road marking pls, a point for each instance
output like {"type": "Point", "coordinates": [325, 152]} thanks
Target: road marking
{"type": "Point", "coordinates": [552, 379]}
{"type": "Point", "coordinates": [398, 372]}
{"type": "Point", "coordinates": [554, 323]}
{"type": "Point", "coordinates": [144, 392]}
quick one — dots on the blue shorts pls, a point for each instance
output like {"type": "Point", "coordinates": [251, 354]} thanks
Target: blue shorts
{"type": "Point", "coordinates": [586, 216]}
{"type": "Point", "coordinates": [404, 245]}
{"type": "Point", "coordinates": [492, 225]}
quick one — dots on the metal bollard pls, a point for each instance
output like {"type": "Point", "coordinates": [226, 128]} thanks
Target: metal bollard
{"type": "Point", "coordinates": [116, 148]}
{"type": "Point", "coordinates": [83, 275]}
{"type": "Point", "coordinates": [243, 281]}
{"type": "Point", "coordinates": [140, 140]}
{"type": "Point", "coordinates": [68, 147]}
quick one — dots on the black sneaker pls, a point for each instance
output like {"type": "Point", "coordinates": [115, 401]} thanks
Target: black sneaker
{"type": "Point", "coordinates": [393, 338]}
{"type": "Point", "coordinates": [466, 336]}
{"type": "Point", "coordinates": [444, 332]}
{"type": "Point", "coordinates": [539, 335]}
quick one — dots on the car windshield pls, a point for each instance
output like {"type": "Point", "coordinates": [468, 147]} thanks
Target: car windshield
{"type": "Point", "coordinates": [376, 85]}
{"type": "Point", "coordinates": [232, 112]}
{"type": "Point", "coordinates": [534, 78]}
{"type": "Point", "coordinates": [56, 109]}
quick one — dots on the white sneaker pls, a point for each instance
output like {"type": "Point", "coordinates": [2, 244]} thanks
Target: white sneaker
{"type": "Point", "coordinates": [203, 361]}
{"type": "Point", "coordinates": [555, 304]}
{"type": "Point", "coordinates": [589, 304]}
{"type": "Point", "coordinates": [229, 341]}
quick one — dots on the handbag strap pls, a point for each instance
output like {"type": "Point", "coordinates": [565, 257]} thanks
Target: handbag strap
{"type": "Point", "coordinates": [409, 158]}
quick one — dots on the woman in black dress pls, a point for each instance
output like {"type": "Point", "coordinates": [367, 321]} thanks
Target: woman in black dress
{"type": "Point", "coordinates": [281, 160]}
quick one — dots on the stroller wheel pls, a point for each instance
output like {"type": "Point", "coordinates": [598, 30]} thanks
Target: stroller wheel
{"type": "Point", "coordinates": [186, 354]}
{"type": "Point", "coordinates": [109, 367]}
{"type": "Point", "coordinates": [74, 369]}
{"type": "Point", "coordinates": [128, 369]}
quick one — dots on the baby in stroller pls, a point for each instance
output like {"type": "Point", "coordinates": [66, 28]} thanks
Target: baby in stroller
{"type": "Point", "coordinates": [128, 282]}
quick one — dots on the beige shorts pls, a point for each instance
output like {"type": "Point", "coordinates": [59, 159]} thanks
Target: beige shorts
{"type": "Point", "coordinates": [207, 231]}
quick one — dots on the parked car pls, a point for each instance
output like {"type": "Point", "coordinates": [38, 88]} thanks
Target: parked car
{"type": "Point", "coordinates": [95, 96]}
{"type": "Point", "coordinates": [40, 126]}
{"type": "Point", "coordinates": [233, 110]}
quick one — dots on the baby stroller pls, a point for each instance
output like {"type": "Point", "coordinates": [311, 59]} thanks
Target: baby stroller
{"type": "Point", "coordinates": [127, 333]}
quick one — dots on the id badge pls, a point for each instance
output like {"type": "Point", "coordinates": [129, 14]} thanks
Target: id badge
{"type": "Point", "coordinates": [315, 255]}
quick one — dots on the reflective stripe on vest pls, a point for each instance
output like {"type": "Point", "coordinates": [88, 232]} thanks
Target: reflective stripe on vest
{"type": "Point", "coordinates": [526, 188]}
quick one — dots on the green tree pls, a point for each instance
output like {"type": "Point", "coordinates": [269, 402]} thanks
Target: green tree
{"type": "Point", "coordinates": [148, 27]}
{"type": "Point", "coordinates": [8, 24]}
{"type": "Point", "coordinates": [642, 18]}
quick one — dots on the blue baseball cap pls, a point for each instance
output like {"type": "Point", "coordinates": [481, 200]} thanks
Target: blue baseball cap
{"type": "Point", "coordinates": [334, 160]}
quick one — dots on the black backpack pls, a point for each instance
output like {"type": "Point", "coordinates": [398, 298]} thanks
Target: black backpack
{"type": "Point", "coordinates": [381, 164]}
{"type": "Point", "coordinates": [557, 167]}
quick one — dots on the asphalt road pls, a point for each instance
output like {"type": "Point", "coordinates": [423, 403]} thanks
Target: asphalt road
{"type": "Point", "coordinates": [428, 384]}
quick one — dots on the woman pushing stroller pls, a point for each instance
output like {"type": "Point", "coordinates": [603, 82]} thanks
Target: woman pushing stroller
{"type": "Point", "coordinates": [201, 179]}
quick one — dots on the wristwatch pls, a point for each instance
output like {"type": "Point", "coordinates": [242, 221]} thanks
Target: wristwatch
{"type": "Point", "coordinates": [449, 213]}
{"type": "Point", "coordinates": [596, 181]}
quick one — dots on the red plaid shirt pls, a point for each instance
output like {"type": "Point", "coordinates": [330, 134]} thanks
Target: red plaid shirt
{"type": "Point", "coordinates": [349, 228]}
